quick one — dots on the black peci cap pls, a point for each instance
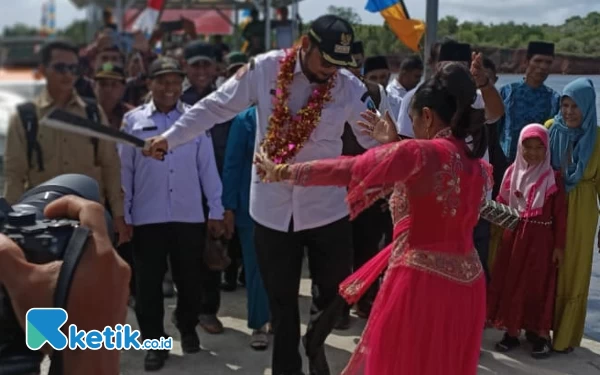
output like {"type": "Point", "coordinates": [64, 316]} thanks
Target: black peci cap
{"type": "Point", "coordinates": [197, 51]}
{"type": "Point", "coordinates": [455, 51]}
{"type": "Point", "coordinates": [334, 37]}
{"type": "Point", "coordinates": [540, 48]}
{"type": "Point", "coordinates": [375, 63]}
{"type": "Point", "coordinates": [165, 65]}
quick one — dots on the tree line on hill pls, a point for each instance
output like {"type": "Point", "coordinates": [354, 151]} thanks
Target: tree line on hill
{"type": "Point", "coordinates": [577, 35]}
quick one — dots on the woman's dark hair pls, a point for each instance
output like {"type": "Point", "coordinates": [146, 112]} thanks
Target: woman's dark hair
{"type": "Point", "coordinates": [451, 93]}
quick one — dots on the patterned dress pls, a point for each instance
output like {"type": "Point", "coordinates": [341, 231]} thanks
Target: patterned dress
{"type": "Point", "coordinates": [434, 290]}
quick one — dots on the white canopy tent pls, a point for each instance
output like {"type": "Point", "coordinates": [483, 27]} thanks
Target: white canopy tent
{"type": "Point", "coordinates": [120, 6]}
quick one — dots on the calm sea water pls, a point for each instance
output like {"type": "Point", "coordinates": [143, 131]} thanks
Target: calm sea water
{"type": "Point", "coordinates": [557, 82]}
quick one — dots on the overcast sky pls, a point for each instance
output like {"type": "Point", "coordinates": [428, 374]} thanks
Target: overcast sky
{"type": "Point", "coordinates": [530, 11]}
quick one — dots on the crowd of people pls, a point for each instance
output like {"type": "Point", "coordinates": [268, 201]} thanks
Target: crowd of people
{"type": "Point", "coordinates": [316, 151]}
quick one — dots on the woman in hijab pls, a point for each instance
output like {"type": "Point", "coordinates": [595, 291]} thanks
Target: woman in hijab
{"type": "Point", "coordinates": [575, 150]}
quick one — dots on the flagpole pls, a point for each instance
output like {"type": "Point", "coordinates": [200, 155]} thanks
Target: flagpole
{"type": "Point", "coordinates": [267, 20]}
{"type": "Point", "coordinates": [431, 31]}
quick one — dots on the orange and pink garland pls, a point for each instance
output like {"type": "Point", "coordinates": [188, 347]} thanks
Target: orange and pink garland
{"type": "Point", "coordinates": [287, 134]}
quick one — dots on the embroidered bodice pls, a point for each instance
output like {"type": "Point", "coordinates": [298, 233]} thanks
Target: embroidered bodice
{"type": "Point", "coordinates": [433, 184]}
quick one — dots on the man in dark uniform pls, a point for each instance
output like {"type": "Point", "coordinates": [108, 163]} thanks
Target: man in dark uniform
{"type": "Point", "coordinates": [200, 69]}
{"type": "Point", "coordinates": [374, 224]}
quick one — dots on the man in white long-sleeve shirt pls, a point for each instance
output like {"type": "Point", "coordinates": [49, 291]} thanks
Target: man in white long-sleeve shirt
{"type": "Point", "coordinates": [289, 218]}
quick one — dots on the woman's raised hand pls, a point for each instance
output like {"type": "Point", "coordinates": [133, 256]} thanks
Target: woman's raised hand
{"type": "Point", "coordinates": [382, 129]}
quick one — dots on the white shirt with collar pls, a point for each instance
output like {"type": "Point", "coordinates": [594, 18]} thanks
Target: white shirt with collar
{"type": "Point", "coordinates": [395, 88]}
{"type": "Point", "coordinates": [274, 204]}
{"type": "Point", "coordinates": [396, 93]}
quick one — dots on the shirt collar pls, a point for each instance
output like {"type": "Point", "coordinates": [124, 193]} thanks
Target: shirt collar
{"type": "Point", "coordinates": [396, 84]}
{"type": "Point", "coordinates": [46, 101]}
{"type": "Point", "coordinates": [151, 108]}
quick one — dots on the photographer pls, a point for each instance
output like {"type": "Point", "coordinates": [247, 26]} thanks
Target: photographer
{"type": "Point", "coordinates": [31, 285]}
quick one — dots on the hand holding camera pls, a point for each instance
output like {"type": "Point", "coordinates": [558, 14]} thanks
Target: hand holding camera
{"type": "Point", "coordinates": [34, 255]}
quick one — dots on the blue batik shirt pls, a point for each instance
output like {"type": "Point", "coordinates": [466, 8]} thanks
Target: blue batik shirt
{"type": "Point", "coordinates": [524, 105]}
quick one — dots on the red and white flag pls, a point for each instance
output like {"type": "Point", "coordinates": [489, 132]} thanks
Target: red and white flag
{"type": "Point", "coordinates": [149, 16]}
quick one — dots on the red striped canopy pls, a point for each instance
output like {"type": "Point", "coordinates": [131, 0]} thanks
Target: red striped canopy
{"type": "Point", "coordinates": [208, 22]}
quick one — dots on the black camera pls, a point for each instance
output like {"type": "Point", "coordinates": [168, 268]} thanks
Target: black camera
{"type": "Point", "coordinates": [42, 241]}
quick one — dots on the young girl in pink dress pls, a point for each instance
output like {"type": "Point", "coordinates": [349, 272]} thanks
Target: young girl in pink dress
{"type": "Point", "coordinates": [522, 291]}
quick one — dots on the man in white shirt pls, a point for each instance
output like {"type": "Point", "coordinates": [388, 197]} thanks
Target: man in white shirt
{"type": "Point", "coordinates": [487, 98]}
{"type": "Point", "coordinates": [411, 72]}
{"type": "Point", "coordinates": [289, 218]}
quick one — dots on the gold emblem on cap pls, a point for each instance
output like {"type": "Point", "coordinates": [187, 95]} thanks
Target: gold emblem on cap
{"type": "Point", "coordinates": [345, 39]}
{"type": "Point", "coordinates": [168, 65]}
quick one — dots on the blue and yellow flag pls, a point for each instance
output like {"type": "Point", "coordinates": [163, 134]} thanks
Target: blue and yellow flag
{"type": "Point", "coordinates": [394, 12]}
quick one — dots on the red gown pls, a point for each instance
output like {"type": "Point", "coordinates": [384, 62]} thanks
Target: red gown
{"type": "Point", "coordinates": [429, 314]}
{"type": "Point", "coordinates": [522, 291]}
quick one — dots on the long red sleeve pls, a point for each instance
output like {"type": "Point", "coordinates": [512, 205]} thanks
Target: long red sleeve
{"type": "Point", "coordinates": [369, 176]}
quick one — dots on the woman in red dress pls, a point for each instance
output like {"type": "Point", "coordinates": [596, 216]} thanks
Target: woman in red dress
{"type": "Point", "coordinates": [434, 290]}
{"type": "Point", "coordinates": [521, 294]}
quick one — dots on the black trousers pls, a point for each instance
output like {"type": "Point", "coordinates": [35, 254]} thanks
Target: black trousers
{"type": "Point", "coordinates": [481, 239]}
{"type": "Point", "coordinates": [183, 243]}
{"type": "Point", "coordinates": [234, 248]}
{"type": "Point", "coordinates": [368, 230]}
{"type": "Point", "coordinates": [125, 251]}
{"type": "Point", "coordinates": [210, 289]}
{"type": "Point", "coordinates": [280, 256]}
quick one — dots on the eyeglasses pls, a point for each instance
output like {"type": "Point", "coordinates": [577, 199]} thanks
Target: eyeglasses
{"type": "Point", "coordinates": [64, 68]}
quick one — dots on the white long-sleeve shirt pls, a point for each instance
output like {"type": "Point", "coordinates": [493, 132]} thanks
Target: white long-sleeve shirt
{"type": "Point", "coordinates": [274, 204]}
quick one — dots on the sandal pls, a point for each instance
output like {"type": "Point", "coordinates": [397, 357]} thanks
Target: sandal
{"type": "Point", "coordinates": [259, 340]}
{"type": "Point", "coordinates": [508, 343]}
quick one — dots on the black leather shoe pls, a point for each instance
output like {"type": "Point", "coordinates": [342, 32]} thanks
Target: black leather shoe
{"type": "Point", "coordinates": [317, 364]}
{"type": "Point", "coordinates": [343, 322]}
{"type": "Point", "coordinates": [155, 359]}
{"type": "Point", "coordinates": [229, 286]}
{"type": "Point", "coordinates": [190, 343]}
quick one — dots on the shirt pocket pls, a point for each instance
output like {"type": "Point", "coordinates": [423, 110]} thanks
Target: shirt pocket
{"type": "Point", "coordinates": [145, 129]}
{"type": "Point", "coordinates": [331, 124]}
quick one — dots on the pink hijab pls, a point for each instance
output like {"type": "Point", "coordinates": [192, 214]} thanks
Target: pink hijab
{"type": "Point", "coordinates": [525, 188]}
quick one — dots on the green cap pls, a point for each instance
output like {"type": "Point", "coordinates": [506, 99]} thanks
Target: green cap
{"type": "Point", "coordinates": [236, 58]}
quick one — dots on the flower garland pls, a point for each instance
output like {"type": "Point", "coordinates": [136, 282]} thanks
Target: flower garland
{"type": "Point", "coordinates": [287, 134]}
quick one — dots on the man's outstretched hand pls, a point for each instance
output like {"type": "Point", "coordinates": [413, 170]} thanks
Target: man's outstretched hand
{"type": "Point", "coordinates": [156, 147]}
{"type": "Point", "coordinates": [99, 291]}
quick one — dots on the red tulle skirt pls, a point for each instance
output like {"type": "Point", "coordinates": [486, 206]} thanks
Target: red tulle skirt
{"type": "Point", "coordinates": [420, 324]}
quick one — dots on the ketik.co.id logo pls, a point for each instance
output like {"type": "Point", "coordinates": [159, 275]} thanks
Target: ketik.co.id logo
{"type": "Point", "coordinates": [43, 326]}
